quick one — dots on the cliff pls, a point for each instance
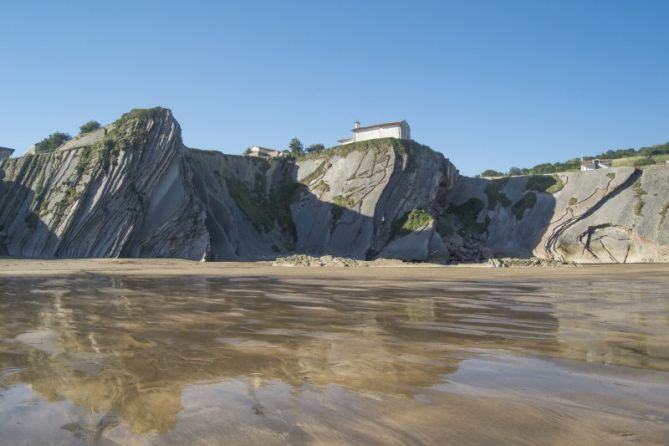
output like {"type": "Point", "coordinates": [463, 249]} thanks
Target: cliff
{"type": "Point", "coordinates": [125, 193]}
{"type": "Point", "coordinates": [605, 216]}
{"type": "Point", "coordinates": [132, 189]}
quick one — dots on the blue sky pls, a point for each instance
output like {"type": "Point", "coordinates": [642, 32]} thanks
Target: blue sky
{"type": "Point", "coordinates": [491, 84]}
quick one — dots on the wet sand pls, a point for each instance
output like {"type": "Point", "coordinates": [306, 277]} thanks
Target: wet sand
{"type": "Point", "coordinates": [176, 352]}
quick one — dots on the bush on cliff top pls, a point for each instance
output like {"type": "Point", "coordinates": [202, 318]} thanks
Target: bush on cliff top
{"type": "Point", "coordinates": [52, 142]}
{"type": "Point", "coordinates": [89, 127]}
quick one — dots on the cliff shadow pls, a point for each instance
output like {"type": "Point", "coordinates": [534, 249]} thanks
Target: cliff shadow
{"type": "Point", "coordinates": [506, 217]}
{"type": "Point", "coordinates": [23, 233]}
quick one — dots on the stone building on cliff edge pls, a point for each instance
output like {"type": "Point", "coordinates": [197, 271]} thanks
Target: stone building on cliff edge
{"type": "Point", "coordinates": [397, 129]}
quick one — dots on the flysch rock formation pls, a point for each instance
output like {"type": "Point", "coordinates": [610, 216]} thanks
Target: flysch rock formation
{"type": "Point", "coordinates": [133, 189]}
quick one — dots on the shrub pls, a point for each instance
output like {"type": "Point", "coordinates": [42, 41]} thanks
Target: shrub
{"type": "Point", "coordinates": [52, 142]}
{"type": "Point", "coordinates": [492, 173]}
{"type": "Point", "coordinates": [410, 222]}
{"type": "Point", "coordinates": [643, 162]}
{"type": "Point", "coordinates": [573, 201]}
{"type": "Point", "coordinates": [344, 202]}
{"type": "Point", "coordinates": [315, 148]}
{"type": "Point", "coordinates": [545, 183]}
{"type": "Point", "coordinates": [89, 127]}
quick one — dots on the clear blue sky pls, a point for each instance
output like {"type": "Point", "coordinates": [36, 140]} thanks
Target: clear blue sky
{"type": "Point", "coordinates": [488, 83]}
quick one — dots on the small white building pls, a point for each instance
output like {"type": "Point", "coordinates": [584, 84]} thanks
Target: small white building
{"type": "Point", "coordinates": [595, 164]}
{"type": "Point", "coordinates": [264, 152]}
{"type": "Point", "coordinates": [398, 129]}
{"type": "Point", "coordinates": [5, 152]}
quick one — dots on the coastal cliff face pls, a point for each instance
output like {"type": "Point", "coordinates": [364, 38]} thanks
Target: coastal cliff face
{"type": "Point", "coordinates": [126, 192]}
{"type": "Point", "coordinates": [132, 189]}
{"type": "Point", "coordinates": [613, 215]}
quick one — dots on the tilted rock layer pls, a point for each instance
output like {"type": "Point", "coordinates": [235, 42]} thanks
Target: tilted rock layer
{"type": "Point", "coordinates": [132, 189]}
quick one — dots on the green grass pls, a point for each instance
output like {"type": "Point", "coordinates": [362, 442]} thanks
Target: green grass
{"type": "Point", "coordinates": [411, 221]}
{"type": "Point", "coordinates": [633, 160]}
{"type": "Point", "coordinates": [527, 201]}
{"type": "Point", "coordinates": [342, 201]}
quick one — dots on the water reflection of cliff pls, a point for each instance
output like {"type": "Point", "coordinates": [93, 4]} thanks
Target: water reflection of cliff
{"type": "Point", "coordinates": [129, 346]}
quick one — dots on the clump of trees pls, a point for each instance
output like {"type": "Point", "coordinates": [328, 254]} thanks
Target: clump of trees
{"type": "Point", "coordinates": [575, 164]}
{"type": "Point", "coordinates": [52, 142]}
{"type": "Point", "coordinates": [296, 147]}
{"type": "Point", "coordinates": [315, 148]}
{"type": "Point", "coordinates": [89, 127]}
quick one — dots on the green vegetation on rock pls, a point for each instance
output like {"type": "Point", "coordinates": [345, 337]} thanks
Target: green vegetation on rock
{"type": "Point", "coordinates": [492, 173]}
{"type": "Point", "coordinates": [468, 213]}
{"type": "Point", "coordinates": [322, 186]}
{"type": "Point", "coordinates": [527, 201]}
{"type": "Point", "coordinates": [399, 146]}
{"type": "Point", "coordinates": [611, 175]}
{"type": "Point", "coordinates": [493, 191]}
{"type": "Point", "coordinates": [52, 142]}
{"type": "Point", "coordinates": [264, 211]}
{"type": "Point", "coordinates": [411, 221]}
{"type": "Point", "coordinates": [663, 212]}
{"type": "Point", "coordinates": [638, 194]}
{"type": "Point", "coordinates": [545, 183]}
{"type": "Point", "coordinates": [342, 201]}
{"type": "Point", "coordinates": [573, 201]}
{"type": "Point", "coordinates": [643, 162]}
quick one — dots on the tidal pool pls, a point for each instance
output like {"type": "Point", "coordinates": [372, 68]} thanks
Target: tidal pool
{"type": "Point", "coordinates": [396, 356]}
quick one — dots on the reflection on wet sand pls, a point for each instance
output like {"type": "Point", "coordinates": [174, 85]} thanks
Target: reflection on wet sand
{"type": "Point", "coordinates": [225, 360]}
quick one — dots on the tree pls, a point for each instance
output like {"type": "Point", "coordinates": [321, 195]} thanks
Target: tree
{"type": "Point", "coordinates": [315, 148]}
{"type": "Point", "coordinates": [296, 147]}
{"type": "Point", "coordinates": [89, 127]}
{"type": "Point", "coordinates": [247, 151]}
{"type": "Point", "coordinates": [515, 171]}
{"type": "Point", "coordinates": [52, 142]}
{"type": "Point", "coordinates": [492, 173]}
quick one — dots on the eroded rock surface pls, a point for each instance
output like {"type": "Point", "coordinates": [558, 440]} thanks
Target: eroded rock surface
{"type": "Point", "coordinates": [132, 189]}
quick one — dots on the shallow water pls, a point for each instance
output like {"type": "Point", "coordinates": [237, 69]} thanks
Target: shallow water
{"type": "Point", "coordinates": [95, 359]}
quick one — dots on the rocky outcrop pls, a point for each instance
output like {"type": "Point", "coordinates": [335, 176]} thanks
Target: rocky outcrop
{"type": "Point", "coordinates": [355, 195]}
{"type": "Point", "coordinates": [126, 194]}
{"type": "Point", "coordinates": [605, 216]}
{"type": "Point", "coordinates": [132, 189]}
